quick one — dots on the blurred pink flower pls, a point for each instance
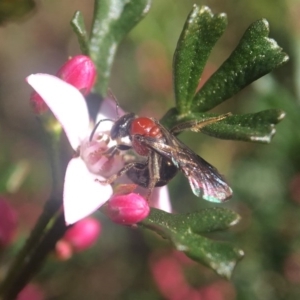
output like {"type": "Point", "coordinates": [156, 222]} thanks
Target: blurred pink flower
{"type": "Point", "coordinates": [79, 237]}
{"type": "Point", "coordinates": [291, 268]}
{"type": "Point", "coordinates": [31, 292]}
{"type": "Point", "coordinates": [8, 222]}
{"type": "Point", "coordinates": [169, 275]}
{"type": "Point", "coordinates": [83, 234]}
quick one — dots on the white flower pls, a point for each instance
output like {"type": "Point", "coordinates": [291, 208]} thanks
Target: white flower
{"type": "Point", "coordinates": [83, 193]}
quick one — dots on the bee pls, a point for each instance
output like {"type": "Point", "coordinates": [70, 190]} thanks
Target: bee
{"type": "Point", "coordinates": [165, 155]}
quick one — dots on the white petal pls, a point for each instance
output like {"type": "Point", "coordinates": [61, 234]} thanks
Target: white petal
{"type": "Point", "coordinates": [67, 104]}
{"type": "Point", "coordinates": [82, 193]}
{"type": "Point", "coordinates": [160, 199]}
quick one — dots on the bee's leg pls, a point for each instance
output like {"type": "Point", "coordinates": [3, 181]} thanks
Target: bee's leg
{"type": "Point", "coordinates": [197, 125]}
{"type": "Point", "coordinates": [110, 152]}
{"type": "Point", "coordinates": [114, 149]}
{"type": "Point", "coordinates": [114, 177]}
{"type": "Point", "coordinates": [154, 165]}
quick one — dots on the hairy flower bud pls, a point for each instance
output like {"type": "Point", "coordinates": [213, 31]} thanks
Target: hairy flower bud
{"type": "Point", "coordinates": [80, 72]}
{"type": "Point", "coordinates": [127, 209]}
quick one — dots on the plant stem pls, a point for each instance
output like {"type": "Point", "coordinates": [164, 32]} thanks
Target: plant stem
{"type": "Point", "coordinates": [40, 231]}
{"type": "Point", "coordinates": [34, 261]}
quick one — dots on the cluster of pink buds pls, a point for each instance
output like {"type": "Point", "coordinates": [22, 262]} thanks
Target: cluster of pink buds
{"type": "Point", "coordinates": [83, 191]}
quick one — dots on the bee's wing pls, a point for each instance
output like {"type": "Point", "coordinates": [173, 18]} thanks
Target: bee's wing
{"type": "Point", "coordinates": [205, 180]}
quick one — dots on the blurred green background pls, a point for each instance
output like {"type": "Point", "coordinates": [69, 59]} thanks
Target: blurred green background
{"type": "Point", "coordinates": [265, 178]}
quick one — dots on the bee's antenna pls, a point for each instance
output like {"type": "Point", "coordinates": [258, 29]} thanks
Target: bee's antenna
{"type": "Point", "coordinates": [96, 126]}
{"type": "Point", "coordinates": [111, 95]}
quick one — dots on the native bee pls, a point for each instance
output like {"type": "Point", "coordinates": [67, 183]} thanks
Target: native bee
{"type": "Point", "coordinates": [165, 155]}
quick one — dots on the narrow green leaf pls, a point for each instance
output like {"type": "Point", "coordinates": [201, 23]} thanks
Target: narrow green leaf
{"type": "Point", "coordinates": [78, 26]}
{"type": "Point", "coordinates": [201, 31]}
{"type": "Point", "coordinates": [255, 56]}
{"type": "Point", "coordinates": [183, 231]}
{"type": "Point", "coordinates": [113, 19]}
{"type": "Point", "coordinates": [173, 117]}
{"type": "Point", "coordinates": [255, 127]}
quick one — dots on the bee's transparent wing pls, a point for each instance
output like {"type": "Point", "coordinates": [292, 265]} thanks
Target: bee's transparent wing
{"type": "Point", "coordinates": [205, 180]}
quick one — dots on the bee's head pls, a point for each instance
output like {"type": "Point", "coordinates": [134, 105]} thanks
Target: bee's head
{"type": "Point", "coordinates": [121, 127]}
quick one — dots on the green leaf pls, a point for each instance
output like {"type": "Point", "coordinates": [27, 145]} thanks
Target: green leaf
{"type": "Point", "coordinates": [113, 19]}
{"type": "Point", "coordinates": [255, 56]}
{"type": "Point", "coordinates": [78, 26]}
{"type": "Point", "coordinates": [255, 127]}
{"type": "Point", "coordinates": [252, 127]}
{"type": "Point", "coordinates": [201, 31]}
{"type": "Point", "coordinates": [183, 231]}
{"type": "Point", "coordinates": [219, 256]}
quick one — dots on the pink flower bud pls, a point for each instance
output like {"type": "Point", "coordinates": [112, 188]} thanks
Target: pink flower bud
{"type": "Point", "coordinates": [8, 222]}
{"type": "Point", "coordinates": [127, 209]}
{"type": "Point", "coordinates": [83, 234]}
{"type": "Point", "coordinates": [38, 104]}
{"type": "Point", "coordinates": [80, 72]}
